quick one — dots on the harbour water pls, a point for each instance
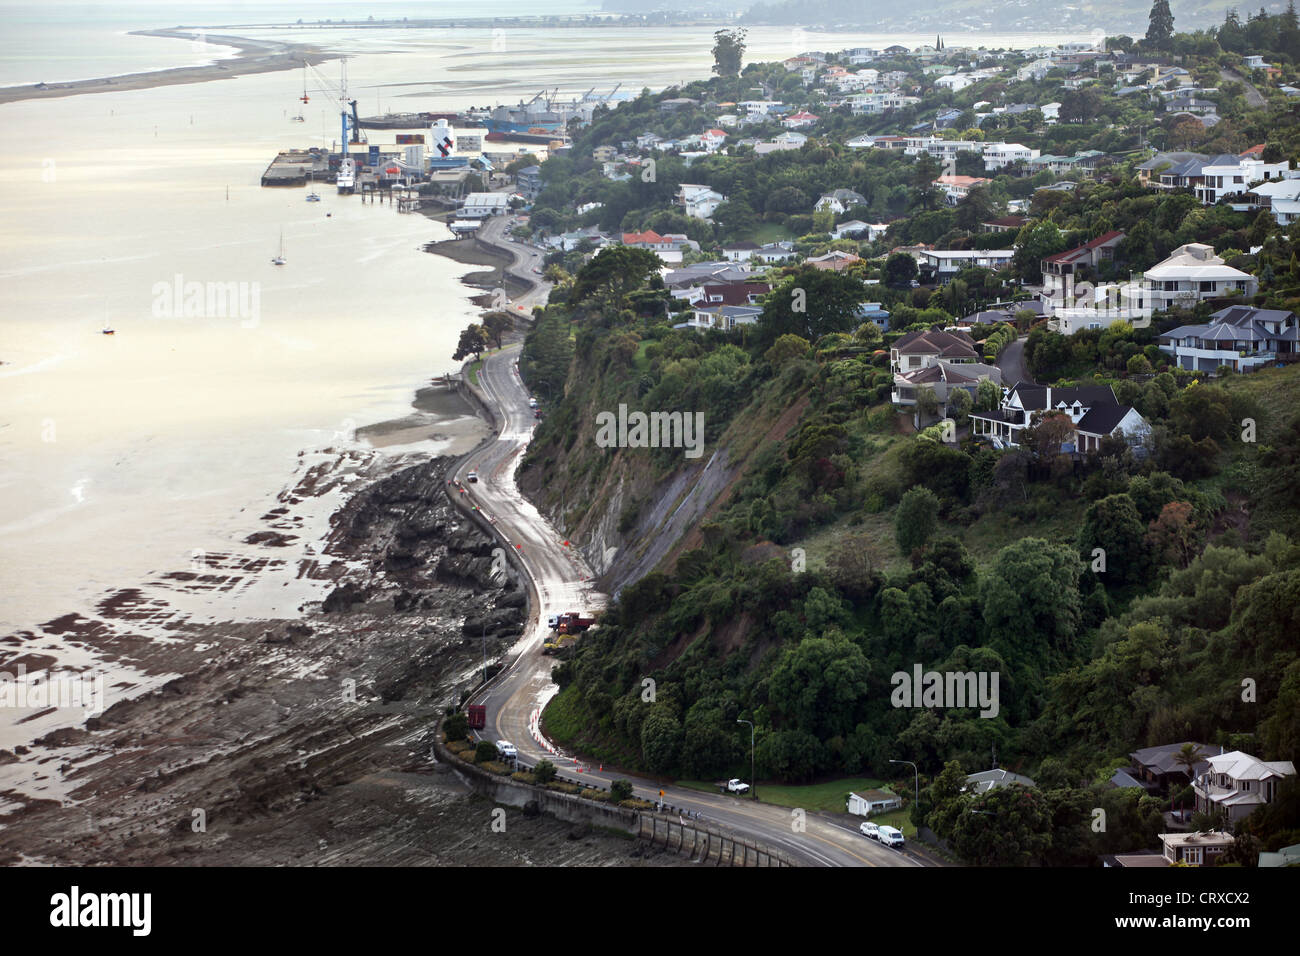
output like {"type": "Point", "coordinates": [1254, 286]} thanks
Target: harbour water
{"type": "Point", "coordinates": [122, 456]}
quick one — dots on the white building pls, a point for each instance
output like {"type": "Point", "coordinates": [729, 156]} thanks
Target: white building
{"type": "Point", "coordinates": [1192, 274]}
{"type": "Point", "coordinates": [1281, 197]}
{"type": "Point", "coordinates": [999, 155]}
{"type": "Point", "coordinates": [1226, 176]}
{"type": "Point", "coordinates": [1238, 784]}
{"type": "Point", "coordinates": [699, 202]}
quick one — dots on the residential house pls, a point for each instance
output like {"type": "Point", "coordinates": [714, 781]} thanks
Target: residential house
{"type": "Point", "coordinates": [677, 103]}
{"type": "Point", "coordinates": [955, 81]}
{"type": "Point", "coordinates": [604, 154]}
{"type": "Point", "coordinates": [917, 350]}
{"type": "Point", "coordinates": [986, 780]}
{"type": "Point", "coordinates": [836, 260]}
{"type": "Point", "coordinates": [529, 180]}
{"type": "Point", "coordinates": [712, 139]}
{"type": "Point", "coordinates": [840, 201]}
{"type": "Point", "coordinates": [1241, 337]}
{"type": "Point", "coordinates": [1226, 176]}
{"type": "Point", "coordinates": [1091, 254]}
{"type": "Point", "coordinates": [1281, 197]}
{"type": "Point", "coordinates": [941, 265]}
{"type": "Point", "coordinates": [1001, 155]}
{"type": "Point", "coordinates": [1171, 170]}
{"type": "Point", "coordinates": [957, 188]}
{"type": "Point", "coordinates": [741, 251]}
{"type": "Point", "coordinates": [1004, 224]}
{"type": "Point", "coordinates": [668, 247]}
{"type": "Point", "coordinates": [873, 313]}
{"type": "Point", "coordinates": [945, 379]}
{"type": "Point", "coordinates": [1158, 768]}
{"type": "Point", "coordinates": [800, 120]}
{"type": "Point", "coordinates": [722, 317]}
{"type": "Point", "coordinates": [1196, 849]}
{"type": "Point", "coordinates": [851, 229]}
{"type": "Point", "coordinates": [699, 202]}
{"type": "Point", "coordinates": [1093, 410]}
{"type": "Point", "coordinates": [744, 292]}
{"type": "Point", "coordinates": [1193, 273]}
{"type": "Point", "coordinates": [771, 252]}
{"type": "Point", "coordinates": [871, 802]}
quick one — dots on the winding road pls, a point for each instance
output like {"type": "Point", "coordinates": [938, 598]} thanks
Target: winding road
{"type": "Point", "coordinates": [560, 581]}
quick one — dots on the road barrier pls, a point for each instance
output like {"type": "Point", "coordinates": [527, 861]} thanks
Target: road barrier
{"type": "Point", "coordinates": [705, 844]}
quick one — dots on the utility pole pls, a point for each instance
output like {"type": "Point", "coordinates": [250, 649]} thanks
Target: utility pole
{"type": "Point", "coordinates": [753, 784]}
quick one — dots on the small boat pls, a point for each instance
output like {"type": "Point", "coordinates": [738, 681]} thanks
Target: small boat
{"type": "Point", "coordinates": [107, 331]}
{"type": "Point", "coordinates": [312, 197]}
{"type": "Point", "coordinates": [279, 260]}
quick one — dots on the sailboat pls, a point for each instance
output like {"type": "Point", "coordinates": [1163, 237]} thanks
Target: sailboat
{"type": "Point", "coordinates": [279, 260]}
{"type": "Point", "coordinates": [312, 196]}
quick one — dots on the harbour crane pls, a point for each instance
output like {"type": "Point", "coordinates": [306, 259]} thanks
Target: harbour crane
{"type": "Point", "coordinates": [347, 107]}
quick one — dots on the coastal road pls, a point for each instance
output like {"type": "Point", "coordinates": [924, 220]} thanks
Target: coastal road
{"type": "Point", "coordinates": [561, 581]}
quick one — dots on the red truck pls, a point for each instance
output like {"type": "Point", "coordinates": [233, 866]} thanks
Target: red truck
{"type": "Point", "coordinates": [477, 714]}
{"type": "Point", "coordinates": [571, 622]}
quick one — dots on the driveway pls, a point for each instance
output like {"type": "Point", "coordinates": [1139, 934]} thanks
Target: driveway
{"type": "Point", "coordinates": [1012, 363]}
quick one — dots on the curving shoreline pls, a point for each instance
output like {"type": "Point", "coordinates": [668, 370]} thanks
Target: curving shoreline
{"type": "Point", "coordinates": [254, 56]}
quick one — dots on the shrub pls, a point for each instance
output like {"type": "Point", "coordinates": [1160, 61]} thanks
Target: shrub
{"type": "Point", "coordinates": [544, 771]}
{"type": "Point", "coordinates": [620, 790]}
{"type": "Point", "coordinates": [485, 751]}
{"type": "Point", "coordinates": [456, 726]}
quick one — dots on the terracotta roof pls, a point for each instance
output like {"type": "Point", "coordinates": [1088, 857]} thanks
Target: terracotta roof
{"type": "Point", "coordinates": [1071, 254]}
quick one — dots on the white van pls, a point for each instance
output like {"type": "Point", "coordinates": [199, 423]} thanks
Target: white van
{"type": "Point", "coordinates": [507, 750]}
{"type": "Point", "coordinates": [870, 830]}
{"type": "Point", "coordinates": [890, 836]}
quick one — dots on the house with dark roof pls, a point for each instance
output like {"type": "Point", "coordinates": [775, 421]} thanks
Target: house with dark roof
{"type": "Point", "coordinates": [1241, 337]}
{"type": "Point", "coordinates": [1004, 224]}
{"type": "Point", "coordinates": [945, 379]}
{"type": "Point", "coordinates": [1091, 254]}
{"type": "Point", "coordinates": [1093, 410]}
{"type": "Point", "coordinates": [1158, 768]}
{"type": "Point", "coordinates": [917, 350]}
{"type": "Point", "coordinates": [986, 780]}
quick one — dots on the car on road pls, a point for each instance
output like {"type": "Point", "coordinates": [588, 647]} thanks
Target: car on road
{"type": "Point", "coordinates": [890, 836]}
{"type": "Point", "coordinates": [472, 476]}
{"type": "Point", "coordinates": [736, 785]}
{"type": "Point", "coordinates": [507, 750]}
{"type": "Point", "coordinates": [532, 403]}
{"type": "Point", "coordinates": [870, 830]}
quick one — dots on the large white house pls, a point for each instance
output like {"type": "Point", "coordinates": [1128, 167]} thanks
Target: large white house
{"type": "Point", "coordinates": [699, 202]}
{"type": "Point", "coordinates": [1190, 275]}
{"type": "Point", "coordinates": [1281, 197]}
{"type": "Point", "coordinates": [1238, 784]}
{"type": "Point", "coordinates": [998, 155]}
{"type": "Point", "coordinates": [1226, 176]}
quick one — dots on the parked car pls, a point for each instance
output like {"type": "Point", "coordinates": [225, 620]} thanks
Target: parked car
{"type": "Point", "coordinates": [736, 785]}
{"type": "Point", "coordinates": [532, 403]}
{"type": "Point", "coordinates": [472, 476]}
{"type": "Point", "coordinates": [890, 836]}
{"type": "Point", "coordinates": [870, 830]}
{"type": "Point", "coordinates": [507, 750]}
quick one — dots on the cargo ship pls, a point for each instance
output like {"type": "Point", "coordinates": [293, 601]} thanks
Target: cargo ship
{"type": "Point", "coordinates": [404, 120]}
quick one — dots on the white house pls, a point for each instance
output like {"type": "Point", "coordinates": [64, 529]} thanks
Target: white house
{"type": "Point", "coordinates": [1238, 784]}
{"type": "Point", "coordinates": [801, 120]}
{"type": "Point", "coordinates": [1195, 849]}
{"type": "Point", "coordinates": [712, 139]}
{"type": "Point", "coordinates": [999, 155]}
{"type": "Point", "coordinates": [1226, 176]}
{"type": "Point", "coordinates": [1092, 410]}
{"type": "Point", "coordinates": [946, 263]}
{"type": "Point", "coordinates": [955, 81]}
{"type": "Point", "coordinates": [482, 205]}
{"type": "Point", "coordinates": [851, 229]}
{"type": "Point", "coordinates": [771, 252]}
{"type": "Point", "coordinates": [1281, 197]}
{"type": "Point", "coordinates": [1192, 274]}
{"type": "Point", "coordinates": [699, 202]}
{"type": "Point", "coordinates": [839, 201]}
{"type": "Point", "coordinates": [871, 802]}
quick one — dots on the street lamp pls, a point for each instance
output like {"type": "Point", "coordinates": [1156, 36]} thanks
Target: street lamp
{"type": "Point", "coordinates": [916, 793]}
{"type": "Point", "coordinates": [753, 784]}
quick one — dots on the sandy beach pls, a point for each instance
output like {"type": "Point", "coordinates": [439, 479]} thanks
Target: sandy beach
{"type": "Point", "coordinates": [254, 56]}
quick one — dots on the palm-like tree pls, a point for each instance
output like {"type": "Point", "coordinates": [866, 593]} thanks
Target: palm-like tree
{"type": "Point", "coordinates": [1188, 757]}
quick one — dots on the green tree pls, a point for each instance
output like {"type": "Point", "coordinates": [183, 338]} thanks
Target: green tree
{"type": "Point", "coordinates": [1007, 826]}
{"type": "Point", "coordinates": [661, 738]}
{"type": "Point", "coordinates": [497, 324]}
{"type": "Point", "coordinates": [1160, 26]}
{"type": "Point", "coordinates": [917, 519]}
{"type": "Point", "coordinates": [811, 303]}
{"type": "Point", "coordinates": [455, 726]}
{"type": "Point", "coordinates": [544, 772]}
{"type": "Point", "coordinates": [1114, 525]}
{"type": "Point", "coordinates": [728, 51]}
{"type": "Point", "coordinates": [485, 751]}
{"type": "Point", "coordinates": [474, 340]}
{"type": "Point", "coordinates": [900, 270]}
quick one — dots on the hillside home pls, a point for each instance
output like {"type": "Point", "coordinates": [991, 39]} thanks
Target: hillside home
{"type": "Point", "coordinates": [836, 260]}
{"type": "Point", "coordinates": [741, 251]}
{"type": "Point", "coordinates": [1192, 274]}
{"type": "Point", "coordinates": [1281, 197]}
{"type": "Point", "coordinates": [840, 201]}
{"type": "Point", "coordinates": [1092, 409]}
{"type": "Point", "coordinates": [1000, 155]}
{"type": "Point", "coordinates": [722, 317]}
{"type": "Point", "coordinates": [945, 379]}
{"type": "Point", "coordinates": [1158, 768]}
{"type": "Point", "coordinates": [957, 188]}
{"type": "Point", "coordinates": [668, 247]}
{"type": "Point", "coordinates": [1238, 784]}
{"type": "Point", "coordinates": [1195, 849]}
{"type": "Point", "coordinates": [917, 350]}
{"type": "Point", "coordinates": [1240, 337]}
{"type": "Point", "coordinates": [1091, 254]}
{"type": "Point", "coordinates": [986, 780]}
{"type": "Point", "coordinates": [941, 265]}
{"type": "Point", "coordinates": [698, 202]}
{"type": "Point", "coordinates": [800, 120]}
{"type": "Point", "coordinates": [1226, 176]}
{"type": "Point", "coordinates": [771, 252]}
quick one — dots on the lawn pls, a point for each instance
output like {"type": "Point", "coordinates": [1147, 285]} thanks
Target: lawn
{"type": "Point", "coordinates": [831, 796]}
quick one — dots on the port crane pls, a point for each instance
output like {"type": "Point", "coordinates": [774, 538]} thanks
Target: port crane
{"type": "Point", "coordinates": [347, 107]}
